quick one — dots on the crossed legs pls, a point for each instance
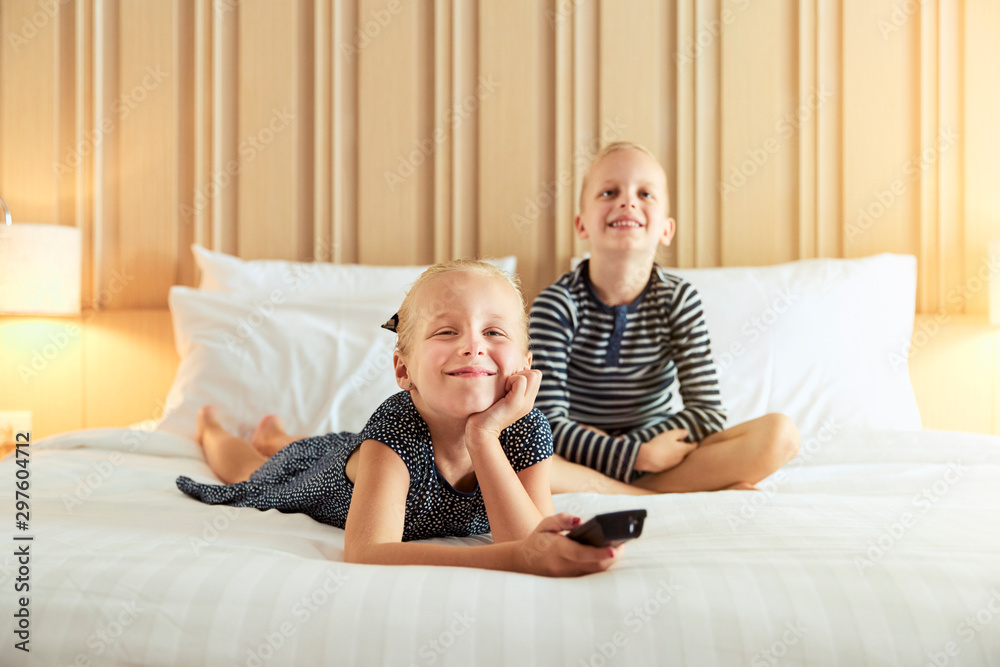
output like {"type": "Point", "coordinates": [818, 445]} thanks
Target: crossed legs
{"type": "Point", "coordinates": [736, 458]}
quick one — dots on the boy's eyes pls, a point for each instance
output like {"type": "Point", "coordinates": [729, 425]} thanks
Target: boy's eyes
{"type": "Point", "coordinates": [612, 193]}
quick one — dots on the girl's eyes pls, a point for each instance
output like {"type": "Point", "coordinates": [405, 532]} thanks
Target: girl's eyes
{"type": "Point", "coordinates": [451, 332]}
{"type": "Point", "coordinates": [608, 193]}
{"type": "Point", "coordinates": [646, 194]}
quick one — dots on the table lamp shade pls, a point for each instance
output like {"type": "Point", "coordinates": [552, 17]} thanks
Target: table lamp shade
{"type": "Point", "coordinates": [39, 269]}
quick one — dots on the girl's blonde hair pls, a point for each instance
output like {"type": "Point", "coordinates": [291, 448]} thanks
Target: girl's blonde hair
{"type": "Point", "coordinates": [408, 310]}
{"type": "Point", "coordinates": [611, 148]}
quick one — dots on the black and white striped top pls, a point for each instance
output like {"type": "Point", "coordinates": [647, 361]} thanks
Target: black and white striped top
{"type": "Point", "coordinates": [620, 368]}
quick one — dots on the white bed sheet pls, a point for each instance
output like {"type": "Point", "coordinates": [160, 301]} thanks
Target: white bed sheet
{"type": "Point", "coordinates": [872, 548]}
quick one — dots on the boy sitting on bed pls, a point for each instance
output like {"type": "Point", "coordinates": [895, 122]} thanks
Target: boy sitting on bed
{"type": "Point", "coordinates": [617, 337]}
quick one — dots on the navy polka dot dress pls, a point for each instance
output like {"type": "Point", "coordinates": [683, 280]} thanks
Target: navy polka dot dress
{"type": "Point", "coordinates": [308, 476]}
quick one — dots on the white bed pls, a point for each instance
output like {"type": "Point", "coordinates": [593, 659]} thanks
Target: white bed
{"type": "Point", "coordinates": [879, 545]}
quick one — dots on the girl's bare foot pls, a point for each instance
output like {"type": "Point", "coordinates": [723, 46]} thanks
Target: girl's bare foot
{"type": "Point", "coordinates": [229, 457]}
{"type": "Point", "coordinates": [207, 421]}
{"type": "Point", "coordinates": [269, 436]}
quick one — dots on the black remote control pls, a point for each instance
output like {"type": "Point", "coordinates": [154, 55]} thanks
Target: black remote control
{"type": "Point", "coordinates": [609, 530]}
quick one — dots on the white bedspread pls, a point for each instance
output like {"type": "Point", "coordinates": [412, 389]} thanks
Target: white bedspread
{"type": "Point", "coordinates": [876, 548]}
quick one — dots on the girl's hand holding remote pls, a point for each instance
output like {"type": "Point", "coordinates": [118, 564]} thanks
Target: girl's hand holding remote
{"type": "Point", "coordinates": [550, 553]}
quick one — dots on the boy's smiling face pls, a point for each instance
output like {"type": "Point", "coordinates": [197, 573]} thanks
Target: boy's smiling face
{"type": "Point", "coordinates": [624, 204]}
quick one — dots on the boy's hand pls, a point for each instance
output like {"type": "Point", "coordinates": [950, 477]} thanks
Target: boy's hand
{"type": "Point", "coordinates": [550, 553]}
{"type": "Point", "coordinates": [594, 429]}
{"type": "Point", "coordinates": [521, 388]}
{"type": "Point", "coordinates": [664, 451]}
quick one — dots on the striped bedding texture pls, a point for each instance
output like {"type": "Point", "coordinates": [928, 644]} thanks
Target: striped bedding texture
{"type": "Point", "coordinates": [871, 548]}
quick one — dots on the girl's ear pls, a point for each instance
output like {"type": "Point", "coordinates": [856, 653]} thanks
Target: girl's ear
{"type": "Point", "coordinates": [402, 374]}
{"type": "Point", "coordinates": [528, 365]}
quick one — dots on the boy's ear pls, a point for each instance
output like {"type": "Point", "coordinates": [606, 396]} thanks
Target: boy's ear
{"type": "Point", "coordinates": [581, 231]}
{"type": "Point", "coordinates": [402, 374]}
{"type": "Point", "coordinates": [668, 231]}
{"type": "Point", "coordinates": [528, 365]}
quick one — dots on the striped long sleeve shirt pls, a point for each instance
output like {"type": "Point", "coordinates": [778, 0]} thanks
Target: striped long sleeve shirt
{"type": "Point", "coordinates": [622, 368]}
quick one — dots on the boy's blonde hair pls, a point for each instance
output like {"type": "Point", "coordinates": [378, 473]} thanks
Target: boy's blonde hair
{"type": "Point", "coordinates": [408, 310]}
{"type": "Point", "coordinates": [611, 148]}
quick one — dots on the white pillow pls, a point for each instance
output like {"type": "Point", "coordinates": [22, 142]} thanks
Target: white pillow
{"type": "Point", "coordinates": [823, 341]}
{"type": "Point", "coordinates": [320, 364]}
{"type": "Point", "coordinates": [356, 282]}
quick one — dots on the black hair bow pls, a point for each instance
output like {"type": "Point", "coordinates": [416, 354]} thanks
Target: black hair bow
{"type": "Point", "coordinates": [392, 323]}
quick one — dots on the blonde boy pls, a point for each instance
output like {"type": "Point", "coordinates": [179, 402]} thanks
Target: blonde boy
{"type": "Point", "coordinates": [617, 339]}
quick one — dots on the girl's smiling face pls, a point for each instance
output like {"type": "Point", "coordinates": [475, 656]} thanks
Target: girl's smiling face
{"type": "Point", "coordinates": [468, 339]}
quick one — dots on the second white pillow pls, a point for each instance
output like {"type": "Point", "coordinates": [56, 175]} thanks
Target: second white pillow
{"type": "Point", "coordinates": [321, 365]}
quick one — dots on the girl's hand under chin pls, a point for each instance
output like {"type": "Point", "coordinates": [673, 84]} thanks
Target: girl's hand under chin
{"type": "Point", "coordinates": [521, 389]}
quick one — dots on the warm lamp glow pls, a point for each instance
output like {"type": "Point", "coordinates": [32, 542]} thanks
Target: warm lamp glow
{"type": "Point", "coordinates": [39, 269]}
{"type": "Point", "coordinates": [993, 263]}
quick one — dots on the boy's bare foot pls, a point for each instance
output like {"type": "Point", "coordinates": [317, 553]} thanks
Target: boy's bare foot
{"type": "Point", "coordinates": [207, 421]}
{"type": "Point", "coordinates": [269, 436]}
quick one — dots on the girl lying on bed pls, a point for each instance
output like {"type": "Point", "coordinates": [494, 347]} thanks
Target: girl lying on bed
{"type": "Point", "coordinates": [460, 452]}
